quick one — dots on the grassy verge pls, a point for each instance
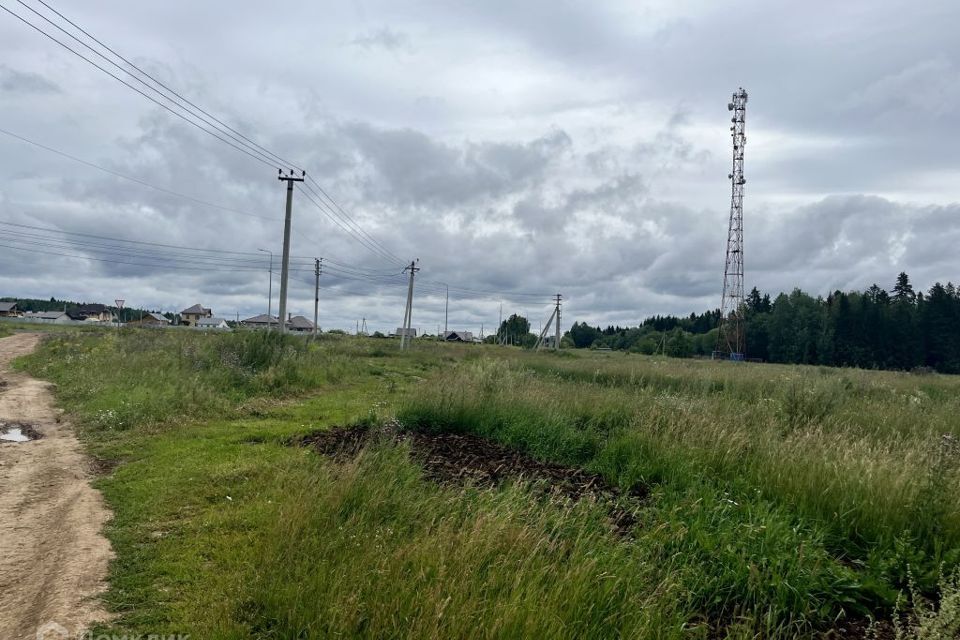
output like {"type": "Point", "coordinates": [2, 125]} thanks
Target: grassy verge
{"type": "Point", "coordinates": [857, 470]}
{"type": "Point", "coordinates": [783, 502]}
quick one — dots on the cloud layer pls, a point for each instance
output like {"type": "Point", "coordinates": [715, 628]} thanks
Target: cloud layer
{"type": "Point", "coordinates": [514, 149]}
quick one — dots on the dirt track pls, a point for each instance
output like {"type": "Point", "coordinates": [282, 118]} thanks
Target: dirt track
{"type": "Point", "coordinates": [53, 556]}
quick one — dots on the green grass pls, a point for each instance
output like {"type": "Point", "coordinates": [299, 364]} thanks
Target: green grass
{"type": "Point", "coordinates": [783, 499]}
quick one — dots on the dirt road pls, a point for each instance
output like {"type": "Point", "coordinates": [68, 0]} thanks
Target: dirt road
{"type": "Point", "coordinates": [53, 556]}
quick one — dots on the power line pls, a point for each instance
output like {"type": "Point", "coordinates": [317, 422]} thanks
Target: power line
{"type": "Point", "coordinates": [131, 178]}
{"type": "Point", "coordinates": [256, 157]}
{"type": "Point", "coordinates": [352, 222]}
{"type": "Point", "coordinates": [239, 140]}
{"type": "Point", "coordinates": [211, 125]}
{"type": "Point", "coordinates": [220, 129]}
{"type": "Point", "coordinates": [325, 211]}
{"type": "Point", "coordinates": [167, 88]}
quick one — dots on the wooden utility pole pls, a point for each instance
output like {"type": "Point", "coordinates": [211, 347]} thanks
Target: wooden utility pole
{"type": "Point", "coordinates": [285, 264]}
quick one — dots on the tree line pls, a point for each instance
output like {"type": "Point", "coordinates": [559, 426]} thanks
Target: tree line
{"type": "Point", "coordinates": [875, 329]}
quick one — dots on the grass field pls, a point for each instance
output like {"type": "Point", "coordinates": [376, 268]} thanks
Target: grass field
{"type": "Point", "coordinates": [783, 501]}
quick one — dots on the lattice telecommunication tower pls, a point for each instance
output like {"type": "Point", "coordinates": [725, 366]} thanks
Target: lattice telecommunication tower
{"type": "Point", "coordinates": [731, 340]}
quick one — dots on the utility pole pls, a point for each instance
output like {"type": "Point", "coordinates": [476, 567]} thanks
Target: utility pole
{"type": "Point", "coordinates": [446, 310]}
{"type": "Point", "coordinates": [500, 338]}
{"type": "Point", "coordinates": [408, 312]}
{"type": "Point", "coordinates": [285, 262]}
{"type": "Point", "coordinates": [556, 344]}
{"type": "Point", "coordinates": [318, 270]}
{"type": "Point", "coordinates": [543, 332]}
{"type": "Point", "coordinates": [269, 289]}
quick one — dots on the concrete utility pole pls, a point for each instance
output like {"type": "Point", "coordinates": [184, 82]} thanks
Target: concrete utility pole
{"type": "Point", "coordinates": [269, 288]}
{"type": "Point", "coordinates": [318, 271]}
{"type": "Point", "coordinates": [543, 332]}
{"type": "Point", "coordinates": [556, 344]}
{"type": "Point", "coordinates": [446, 310]}
{"type": "Point", "coordinates": [285, 262]}
{"type": "Point", "coordinates": [408, 313]}
{"type": "Point", "coordinates": [500, 338]}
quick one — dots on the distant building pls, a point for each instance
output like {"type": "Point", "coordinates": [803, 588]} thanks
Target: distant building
{"type": "Point", "coordinates": [49, 317]}
{"type": "Point", "coordinates": [219, 324]}
{"type": "Point", "coordinates": [191, 315]}
{"type": "Point", "coordinates": [458, 336]}
{"type": "Point", "coordinates": [410, 333]}
{"type": "Point", "coordinates": [299, 324]}
{"type": "Point", "coordinates": [150, 320]}
{"type": "Point", "coordinates": [262, 321]}
{"type": "Point", "coordinates": [92, 313]}
{"type": "Point", "coordinates": [9, 310]}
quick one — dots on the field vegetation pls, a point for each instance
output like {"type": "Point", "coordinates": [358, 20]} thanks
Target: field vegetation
{"type": "Point", "coordinates": [781, 501]}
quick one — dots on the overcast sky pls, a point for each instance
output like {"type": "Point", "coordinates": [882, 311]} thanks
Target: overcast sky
{"type": "Point", "coordinates": [534, 147]}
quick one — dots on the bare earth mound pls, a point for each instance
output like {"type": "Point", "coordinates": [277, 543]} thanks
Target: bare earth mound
{"type": "Point", "coordinates": [456, 458]}
{"type": "Point", "coordinates": [53, 556]}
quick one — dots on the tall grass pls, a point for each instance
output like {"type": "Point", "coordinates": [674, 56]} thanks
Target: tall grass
{"type": "Point", "coordinates": [782, 499]}
{"type": "Point", "coordinates": [853, 461]}
{"type": "Point", "coordinates": [149, 377]}
{"type": "Point", "coordinates": [372, 550]}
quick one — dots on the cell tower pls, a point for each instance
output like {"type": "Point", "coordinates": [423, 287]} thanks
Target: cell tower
{"type": "Point", "coordinates": [731, 339]}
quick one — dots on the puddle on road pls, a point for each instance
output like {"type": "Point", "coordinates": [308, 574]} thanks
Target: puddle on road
{"type": "Point", "coordinates": [16, 432]}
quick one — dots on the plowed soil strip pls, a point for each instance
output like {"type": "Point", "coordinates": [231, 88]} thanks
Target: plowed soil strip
{"type": "Point", "coordinates": [460, 459]}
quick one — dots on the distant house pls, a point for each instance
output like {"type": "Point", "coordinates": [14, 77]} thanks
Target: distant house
{"type": "Point", "coordinates": [300, 324]}
{"type": "Point", "coordinates": [93, 313]}
{"type": "Point", "coordinates": [458, 336]}
{"type": "Point", "coordinates": [213, 324]}
{"type": "Point", "coordinates": [191, 315]}
{"type": "Point", "coordinates": [410, 333]}
{"type": "Point", "coordinates": [9, 310]}
{"type": "Point", "coordinates": [150, 320]}
{"type": "Point", "coordinates": [262, 321]}
{"type": "Point", "coordinates": [48, 317]}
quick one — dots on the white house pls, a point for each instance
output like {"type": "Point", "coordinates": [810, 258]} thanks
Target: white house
{"type": "Point", "coordinates": [212, 323]}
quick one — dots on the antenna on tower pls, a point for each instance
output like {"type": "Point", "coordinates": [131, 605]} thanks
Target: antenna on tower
{"type": "Point", "coordinates": [731, 339]}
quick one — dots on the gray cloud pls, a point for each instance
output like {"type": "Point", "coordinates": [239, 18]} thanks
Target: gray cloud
{"type": "Point", "coordinates": [518, 147]}
{"type": "Point", "coordinates": [24, 82]}
{"type": "Point", "coordinates": [384, 38]}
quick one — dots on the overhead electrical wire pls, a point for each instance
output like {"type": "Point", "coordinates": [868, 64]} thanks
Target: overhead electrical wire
{"type": "Point", "coordinates": [256, 157]}
{"type": "Point", "coordinates": [347, 218]}
{"type": "Point", "coordinates": [133, 179]}
{"type": "Point", "coordinates": [183, 255]}
{"type": "Point", "coordinates": [206, 122]}
{"type": "Point", "coordinates": [167, 88]}
{"type": "Point", "coordinates": [192, 110]}
{"type": "Point", "coordinates": [327, 211]}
